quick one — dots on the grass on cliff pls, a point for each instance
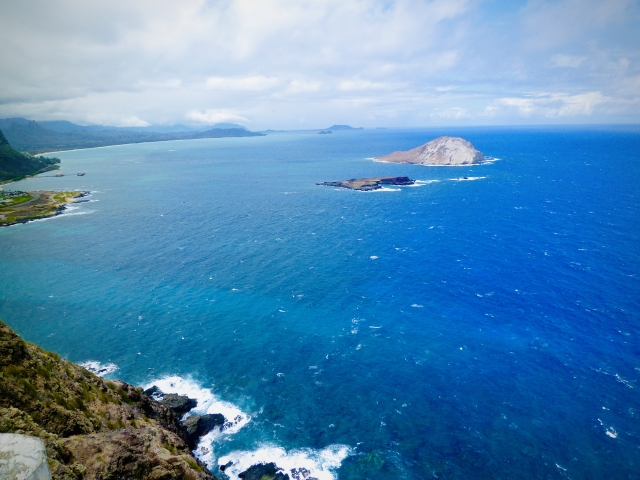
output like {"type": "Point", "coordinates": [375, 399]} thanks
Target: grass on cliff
{"type": "Point", "coordinates": [92, 428]}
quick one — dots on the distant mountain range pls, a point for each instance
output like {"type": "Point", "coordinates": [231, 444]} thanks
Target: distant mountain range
{"type": "Point", "coordinates": [15, 165]}
{"type": "Point", "coordinates": [343, 127]}
{"type": "Point", "coordinates": [46, 136]}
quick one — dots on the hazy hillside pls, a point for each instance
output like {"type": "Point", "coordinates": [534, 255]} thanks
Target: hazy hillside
{"type": "Point", "coordinates": [34, 137]}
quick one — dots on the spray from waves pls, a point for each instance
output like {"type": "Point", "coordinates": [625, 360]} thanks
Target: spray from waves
{"type": "Point", "coordinates": [100, 369]}
{"type": "Point", "coordinates": [420, 183]}
{"type": "Point", "coordinates": [298, 464]}
{"type": "Point", "coordinates": [383, 189]}
{"type": "Point", "coordinates": [466, 179]}
{"type": "Point", "coordinates": [207, 403]}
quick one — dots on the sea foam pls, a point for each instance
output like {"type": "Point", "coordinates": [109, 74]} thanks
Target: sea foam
{"type": "Point", "coordinates": [207, 403]}
{"type": "Point", "coordinates": [298, 464]}
{"type": "Point", "coordinates": [97, 368]}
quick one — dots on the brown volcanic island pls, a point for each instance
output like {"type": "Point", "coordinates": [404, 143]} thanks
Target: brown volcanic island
{"type": "Point", "coordinates": [368, 184]}
{"type": "Point", "coordinates": [440, 151]}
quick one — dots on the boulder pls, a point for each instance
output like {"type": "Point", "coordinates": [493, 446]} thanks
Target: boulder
{"type": "Point", "coordinates": [199, 425]}
{"type": "Point", "coordinates": [262, 470]}
{"type": "Point", "coordinates": [23, 457]}
{"type": "Point", "coordinates": [154, 392]}
{"type": "Point", "coordinates": [179, 404]}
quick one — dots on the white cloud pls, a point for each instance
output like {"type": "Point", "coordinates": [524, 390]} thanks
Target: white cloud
{"type": "Point", "coordinates": [362, 85]}
{"type": "Point", "coordinates": [554, 105]}
{"type": "Point", "coordinates": [454, 113]}
{"type": "Point", "coordinates": [214, 116]}
{"type": "Point", "coordinates": [303, 86]}
{"type": "Point", "coordinates": [561, 60]}
{"type": "Point", "coordinates": [304, 63]}
{"type": "Point", "coordinates": [253, 83]}
{"type": "Point", "coordinates": [132, 121]}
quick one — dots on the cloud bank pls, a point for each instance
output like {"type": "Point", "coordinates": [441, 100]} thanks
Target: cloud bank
{"type": "Point", "coordinates": [308, 64]}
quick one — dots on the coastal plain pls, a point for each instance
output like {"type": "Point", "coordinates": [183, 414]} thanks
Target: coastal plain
{"type": "Point", "coordinates": [20, 207]}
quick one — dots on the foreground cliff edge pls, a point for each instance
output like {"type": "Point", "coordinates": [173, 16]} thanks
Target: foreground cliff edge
{"type": "Point", "coordinates": [92, 428]}
{"type": "Point", "coordinates": [445, 151]}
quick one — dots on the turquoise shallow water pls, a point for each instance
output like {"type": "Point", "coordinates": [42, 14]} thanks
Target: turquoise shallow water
{"type": "Point", "coordinates": [459, 329]}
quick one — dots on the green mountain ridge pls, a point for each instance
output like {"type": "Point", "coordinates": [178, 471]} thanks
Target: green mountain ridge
{"type": "Point", "coordinates": [31, 136]}
{"type": "Point", "coordinates": [15, 165]}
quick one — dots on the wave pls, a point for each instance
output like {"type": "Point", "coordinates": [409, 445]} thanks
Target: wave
{"type": "Point", "coordinates": [466, 179]}
{"type": "Point", "coordinates": [383, 189]}
{"type": "Point", "coordinates": [207, 403]}
{"type": "Point", "coordinates": [99, 369]}
{"type": "Point", "coordinates": [298, 464]}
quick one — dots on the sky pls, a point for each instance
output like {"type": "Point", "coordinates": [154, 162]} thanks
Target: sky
{"type": "Point", "coordinates": [296, 64]}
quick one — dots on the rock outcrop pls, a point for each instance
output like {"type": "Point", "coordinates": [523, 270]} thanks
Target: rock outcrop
{"type": "Point", "coordinates": [199, 425]}
{"type": "Point", "coordinates": [440, 151]}
{"type": "Point", "coordinates": [264, 471]}
{"type": "Point", "coordinates": [92, 428]}
{"type": "Point", "coordinates": [368, 184]}
{"type": "Point", "coordinates": [179, 404]}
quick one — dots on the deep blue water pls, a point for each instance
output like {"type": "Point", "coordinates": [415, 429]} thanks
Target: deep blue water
{"type": "Point", "coordinates": [460, 329]}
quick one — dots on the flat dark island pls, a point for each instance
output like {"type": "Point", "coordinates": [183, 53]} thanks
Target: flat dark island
{"type": "Point", "coordinates": [368, 184]}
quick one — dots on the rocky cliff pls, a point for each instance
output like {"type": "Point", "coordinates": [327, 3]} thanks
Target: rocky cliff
{"type": "Point", "coordinates": [92, 428]}
{"type": "Point", "coordinates": [440, 151]}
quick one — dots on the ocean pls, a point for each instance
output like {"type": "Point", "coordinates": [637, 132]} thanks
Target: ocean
{"type": "Point", "coordinates": [485, 327]}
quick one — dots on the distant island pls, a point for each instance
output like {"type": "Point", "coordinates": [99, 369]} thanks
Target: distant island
{"type": "Point", "coordinates": [324, 132]}
{"type": "Point", "coordinates": [369, 184]}
{"type": "Point", "coordinates": [440, 151]}
{"type": "Point", "coordinates": [343, 127]}
{"type": "Point", "coordinates": [38, 137]}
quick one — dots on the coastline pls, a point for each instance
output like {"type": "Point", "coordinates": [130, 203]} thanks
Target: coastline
{"type": "Point", "coordinates": [486, 162]}
{"type": "Point", "coordinates": [50, 205]}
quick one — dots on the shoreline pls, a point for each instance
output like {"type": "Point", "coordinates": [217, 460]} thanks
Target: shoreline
{"type": "Point", "coordinates": [50, 201]}
{"type": "Point", "coordinates": [48, 152]}
{"type": "Point", "coordinates": [486, 162]}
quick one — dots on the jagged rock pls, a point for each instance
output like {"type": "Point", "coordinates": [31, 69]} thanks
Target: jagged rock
{"type": "Point", "coordinates": [179, 404]}
{"type": "Point", "coordinates": [262, 470]}
{"type": "Point", "coordinates": [440, 151]}
{"type": "Point", "coordinates": [154, 391]}
{"type": "Point", "coordinates": [225, 466]}
{"type": "Point", "coordinates": [199, 425]}
{"type": "Point", "coordinates": [368, 184]}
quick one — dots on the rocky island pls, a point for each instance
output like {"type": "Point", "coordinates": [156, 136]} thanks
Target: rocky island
{"type": "Point", "coordinates": [445, 151]}
{"type": "Point", "coordinates": [368, 184]}
{"type": "Point", "coordinates": [20, 207]}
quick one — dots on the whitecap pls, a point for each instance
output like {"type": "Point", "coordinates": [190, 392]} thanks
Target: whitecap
{"type": "Point", "coordinates": [466, 179]}
{"type": "Point", "coordinates": [417, 305]}
{"type": "Point", "coordinates": [373, 257]}
{"type": "Point", "coordinates": [207, 402]}
{"type": "Point", "coordinates": [97, 368]}
{"type": "Point", "coordinates": [298, 464]}
{"type": "Point", "coordinates": [383, 189]}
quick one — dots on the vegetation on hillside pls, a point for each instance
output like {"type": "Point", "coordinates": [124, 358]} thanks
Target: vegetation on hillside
{"type": "Point", "coordinates": [15, 165]}
{"type": "Point", "coordinates": [30, 136]}
{"type": "Point", "coordinates": [92, 428]}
